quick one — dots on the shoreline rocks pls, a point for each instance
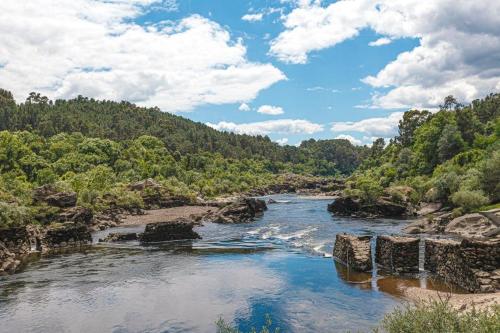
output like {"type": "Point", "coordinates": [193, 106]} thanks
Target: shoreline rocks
{"type": "Point", "coordinates": [382, 207]}
{"type": "Point", "coordinates": [354, 251]}
{"type": "Point", "coordinates": [181, 229]}
{"type": "Point", "coordinates": [16, 244]}
{"type": "Point", "coordinates": [241, 211]}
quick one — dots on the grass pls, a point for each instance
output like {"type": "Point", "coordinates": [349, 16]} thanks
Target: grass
{"type": "Point", "coordinates": [488, 207]}
{"type": "Point", "coordinates": [436, 316]}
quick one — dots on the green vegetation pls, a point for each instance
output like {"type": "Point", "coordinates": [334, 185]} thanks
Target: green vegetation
{"type": "Point", "coordinates": [451, 156]}
{"type": "Point", "coordinates": [96, 148]}
{"type": "Point", "coordinates": [440, 317]}
{"type": "Point", "coordinates": [224, 327]}
{"type": "Point", "coordinates": [436, 316]}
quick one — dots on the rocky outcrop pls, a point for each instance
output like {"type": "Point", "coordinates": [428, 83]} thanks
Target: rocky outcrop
{"type": "Point", "coordinates": [470, 226]}
{"type": "Point", "coordinates": [240, 211]}
{"type": "Point", "coordinates": [51, 196]}
{"type": "Point", "coordinates": [431, 224]}
{"type": "Point", "coordinates": [181, 229]}
{"type": "Point", "coordinates": [155, 196]}
{"type": "Point", "coordinates": [397, 255]}
{"type": "Point", "coordinates": [471, 264]}
{"type": "Point", "coordinates": [382, 207]}
{"type": "Point", "coordinates": [353, 251]}
{"type": "Point", "coordinates": [18, 243]}
{"type": "Point", "coordinates": [120, 237]}
{"type": "Point", "coordinates": [66, 235]}
{"type": "Point", "coordinates": [77, 215]}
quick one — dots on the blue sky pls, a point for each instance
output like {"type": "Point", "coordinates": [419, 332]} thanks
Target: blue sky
{"type": "Point", "coordinates": [290, 69]}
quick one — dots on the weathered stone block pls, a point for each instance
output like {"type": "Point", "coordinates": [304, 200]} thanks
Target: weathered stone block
{"type": "Point", "coordinates": [471, 264]}
{"type": "Point", "coordinates": [397, 255]}
{"type": "Point", "coordinates": [167, 231]}
{"type": "Point", "coordinates": [353, 251]}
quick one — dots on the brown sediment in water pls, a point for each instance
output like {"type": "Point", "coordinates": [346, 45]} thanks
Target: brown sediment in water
{"type": "Point", "coordinates": [395, 285]}
{"type": "Point", "coordinates": [166, 215]}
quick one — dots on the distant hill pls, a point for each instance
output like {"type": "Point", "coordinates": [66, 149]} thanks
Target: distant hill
{"type": "Point", "coordinates": [126, 121]}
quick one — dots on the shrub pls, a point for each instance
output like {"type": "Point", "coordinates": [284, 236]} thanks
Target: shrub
{"type": "Point", "coordinates": [469, 200]}
{"type": "Point", "coordinates": [440, 317]}
{"type": "Point", "coordinates": [13, 215]}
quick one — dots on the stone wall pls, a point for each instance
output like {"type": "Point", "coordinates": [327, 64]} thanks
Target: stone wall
{"type": "Point", "coordinates": [354, 251]}
{"type": "Point", "coordinates": [18, 243]}
{"type": "Point", "coordinates": [471, 264]}
{"type": "Point", "coordinates": [397, 255]}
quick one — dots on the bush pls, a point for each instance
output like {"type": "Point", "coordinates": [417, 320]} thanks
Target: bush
{"type": "Point", "coordinates": [13, 215]}
{"type": "Point", "coordinates": [440, 317]}
{"type": "Point", "coordinates": [469, 200]}
{"type": "Point", "coordinates": [224, 327]}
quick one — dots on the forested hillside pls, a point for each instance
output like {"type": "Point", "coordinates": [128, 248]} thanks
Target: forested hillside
{"type": "Point", "coordinates": [126, 121]}
{"type": "Point", "coordinates": [97, 148]}
{"type": "Point", "coordinates": [452, 157]}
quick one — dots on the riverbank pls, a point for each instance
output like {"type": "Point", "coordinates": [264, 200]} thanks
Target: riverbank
{"type": "Point", "coordinates": [462, 302]}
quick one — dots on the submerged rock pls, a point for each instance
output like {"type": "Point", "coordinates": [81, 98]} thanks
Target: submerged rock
{"type": "Point", "coordinates": [354, 251]}
{"type": "Point", "coordinates": [179, 229]}
{"type": "Point", "coordinates": [240, 211]}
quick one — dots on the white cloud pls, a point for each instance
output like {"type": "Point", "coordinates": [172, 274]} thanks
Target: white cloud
{"type": "Point", "coordinates": [372, 127]}
{"type": "Point", "coordinates": [253, 17]}
{"type": "Point", "coordinates": [282, 141]}
{"type": "Point", "coordinates": [350, 138]}
{"type": "Point", "coordinates": [381, 41]}
{"type": "Point", "coordinates": [317, 88]}
{"type": "Point", "coordinates": [459, 49]}
{"type": "Point", "coordinates": [281, 126]}
{"type": "Point", "coordinates": [271, 110]}
{"type": "Point", "coordinates": [244, 107]}
{"type": "Point", "coordinates": [94, 48]}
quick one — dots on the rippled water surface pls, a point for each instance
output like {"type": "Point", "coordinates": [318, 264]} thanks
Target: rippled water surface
{"type": "Point", "coordinates": [280, 265]}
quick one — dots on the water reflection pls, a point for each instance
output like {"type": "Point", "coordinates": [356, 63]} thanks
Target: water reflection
{"type": "Point", "coordinates": [240, 272]}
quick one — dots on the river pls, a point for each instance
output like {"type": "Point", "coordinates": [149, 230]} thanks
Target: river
{"type": "Point", "coordinates": [279, 265]}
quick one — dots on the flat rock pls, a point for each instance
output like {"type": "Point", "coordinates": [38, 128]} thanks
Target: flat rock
{"type": "Point", "coordinates": [181, 229]}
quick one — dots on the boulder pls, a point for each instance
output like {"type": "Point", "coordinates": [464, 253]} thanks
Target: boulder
{"type": "Point", "coordinates": [48, 194]}
{"type": "Point", "coordinates": [142, 185]}
{"type": "Point", "coordinates": [67, 235]}
{"type": "Point", "coordinates": [427, 208]}
{"type": "Point", "coordinates": [180, 229]}
{"type": "Point", "coordinates": [470, 226]}
{"type": "Point", "coordinates": [354, 251]}
{"type": "Point", "coordinates": [382, 207]}
{"type": "Point", "coordinates": [240, 211]}
{"type": "Point", "coordinates": [79, 215]}
{"type": "Point", "coordinates": [345, 206]}
{"type": "Point", "coordinates": [120, 237]}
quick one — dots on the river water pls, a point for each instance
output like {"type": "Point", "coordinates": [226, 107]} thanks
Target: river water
{"type": "Point", "coordinates": [279, 265]}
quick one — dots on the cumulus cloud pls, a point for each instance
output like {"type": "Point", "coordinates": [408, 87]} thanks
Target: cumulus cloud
{"type": "Point", "coordinates": [350, 138]}
{"type": "Point", "coordinates": [244, 107]}
{"type": "Point", "coordinates": [372, 127]}
{"type": "Point", "coordinates": [94, 48]}
{"type": "Point", "coordinates": [381, 41]}
{"type": "Point", "coordinates": [282, 141]}
{"type": "Point", "coordinates": [271, 110]}
{"type": "Point", "coordinates": [253, 17]}
{"type": "Point", "coordinates": [459, 49]}
{"type": "Point", "coordinates": [281, 126]}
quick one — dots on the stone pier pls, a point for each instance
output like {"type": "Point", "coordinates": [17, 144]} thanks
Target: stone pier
{"type": "Point", "coordinates": [397, 255]}
{"type": "Point", "coordinates": [354, 251]}
{"type": "Point", "coordinates": [471, 264]}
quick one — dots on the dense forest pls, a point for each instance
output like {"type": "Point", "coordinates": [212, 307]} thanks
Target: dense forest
{"type": "Point", "coordinates": [451, 156]}
{"type": "Point", "coordinates": [96, 148]}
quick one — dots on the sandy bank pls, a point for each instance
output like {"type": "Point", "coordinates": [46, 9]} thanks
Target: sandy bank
{"type": "Point", "coordinates": [166, 215]}
{"type": "Point", "coordinates": [463, 302]}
